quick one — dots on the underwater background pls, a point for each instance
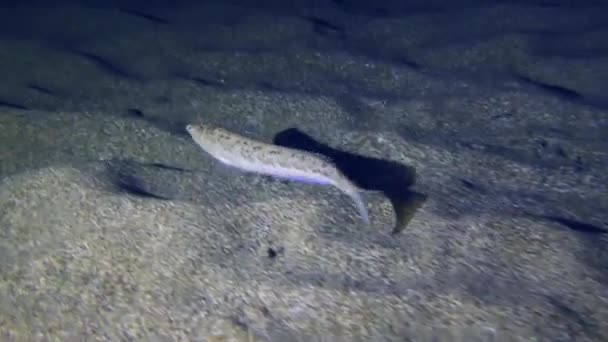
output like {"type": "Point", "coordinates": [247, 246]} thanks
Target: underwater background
{"type": "Point", "coordinates": [478, 131]}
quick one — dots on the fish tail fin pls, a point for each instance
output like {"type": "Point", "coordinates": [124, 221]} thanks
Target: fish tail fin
{"type": "Point", "coordinates": [354, 192]}
{"type": "Point", "coordinates": [356, 197]}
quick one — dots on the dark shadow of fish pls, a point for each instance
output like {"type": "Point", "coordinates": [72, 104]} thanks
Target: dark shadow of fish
{"type": "Point", "coordinates": [391, 178]}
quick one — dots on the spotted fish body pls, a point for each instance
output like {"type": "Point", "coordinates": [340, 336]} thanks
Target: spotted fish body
{"type": "Point", "coordinates": [255, 156]}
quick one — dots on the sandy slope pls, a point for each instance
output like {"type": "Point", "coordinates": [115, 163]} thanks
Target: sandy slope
{"type": "Point", "coordinates": [114, 225]}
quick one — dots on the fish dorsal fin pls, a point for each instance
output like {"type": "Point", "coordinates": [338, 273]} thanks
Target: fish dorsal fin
{"type": "Point", "coordinates": [323, 157]}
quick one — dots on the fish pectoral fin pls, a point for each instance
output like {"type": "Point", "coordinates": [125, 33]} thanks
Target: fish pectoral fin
{"type": "Point", "coordinates": [307, 180]}
{"type": "Point", "coordinates": [223, 168]}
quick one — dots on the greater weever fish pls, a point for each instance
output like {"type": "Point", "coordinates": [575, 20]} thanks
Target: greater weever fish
{"type": "Point", "coordinates": [255, 156]}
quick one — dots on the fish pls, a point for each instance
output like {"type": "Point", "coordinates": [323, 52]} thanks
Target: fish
{"type": "Point", "coordinates": [255, 156]}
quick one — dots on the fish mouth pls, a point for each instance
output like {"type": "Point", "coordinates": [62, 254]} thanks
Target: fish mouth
{"type": "Point", "coordinates": [190, 128]}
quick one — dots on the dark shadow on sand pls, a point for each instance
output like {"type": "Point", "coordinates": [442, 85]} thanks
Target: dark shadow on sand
{"type": "Point", "coordinates": [391, 178]}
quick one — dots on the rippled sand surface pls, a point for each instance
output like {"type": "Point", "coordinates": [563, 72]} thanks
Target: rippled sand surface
{"type": "Point", "coordinates": [481, 129]}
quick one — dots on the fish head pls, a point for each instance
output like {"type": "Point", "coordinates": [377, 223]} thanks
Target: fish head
{"type": "Point", "coordinates": [196, 130]}
{"type": "Point", "coordinates": [201, 134]}
{"type": "Point", "coordinates": [206, 137]}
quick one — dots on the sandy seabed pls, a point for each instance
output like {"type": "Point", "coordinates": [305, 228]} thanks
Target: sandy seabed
{"type": "Point", "coordinates": [115, 226]}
